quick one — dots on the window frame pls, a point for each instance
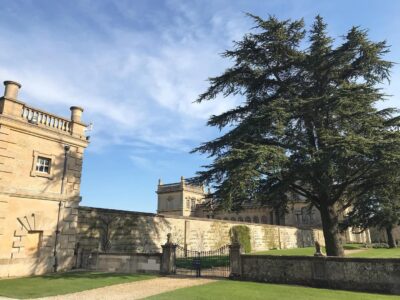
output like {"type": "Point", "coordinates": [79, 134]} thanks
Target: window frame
{"type": "Point", "coordinates": [36, 156]}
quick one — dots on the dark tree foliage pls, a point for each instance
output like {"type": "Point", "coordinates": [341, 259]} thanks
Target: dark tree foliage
{"type": "Point", "coordinates": [380, 207]}
{"type": "Point", "coordinates": [308, 125]}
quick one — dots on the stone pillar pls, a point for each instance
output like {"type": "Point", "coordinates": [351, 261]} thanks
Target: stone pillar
{"type": "Point", "coordinates": [76, 114]}
{"type": "Point", "coordinates": [235, 260]}
{"type": "Point", "coordinates": [168, 257]}
{"type": "Point", "coordinates": [77, 127]}
{"type": "Point", "coordinates": [11, 89]}
{"type": "Point", "coordinates": [9, 105]}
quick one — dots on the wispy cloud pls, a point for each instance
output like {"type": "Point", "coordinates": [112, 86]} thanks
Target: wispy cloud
{"type": "Point", "coordinates": [135, 69]}
{"type": "Point", "coordinates": [137, 86]}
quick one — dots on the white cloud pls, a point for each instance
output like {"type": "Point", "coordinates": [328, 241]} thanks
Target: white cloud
{"type": "Point", "coordinates": [136, 86]}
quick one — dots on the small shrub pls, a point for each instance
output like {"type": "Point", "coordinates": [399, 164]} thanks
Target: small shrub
{"type": "Point", "coordinates": [243, 234]}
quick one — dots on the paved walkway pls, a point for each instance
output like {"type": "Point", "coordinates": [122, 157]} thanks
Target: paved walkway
{"type": "Point", "coordinates": [134, 290]}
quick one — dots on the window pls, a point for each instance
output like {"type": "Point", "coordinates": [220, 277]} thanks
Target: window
{"type": "Point", "coordinates": [264, 220]}
{"type": "Point", "coordinates": [305, 215]}
{"type": "Point", "coordinates": [43, 165]}
{"type": "Point", "coordinates": [193, 201]}
{"type": "Point", "coordinates": [170, 203]}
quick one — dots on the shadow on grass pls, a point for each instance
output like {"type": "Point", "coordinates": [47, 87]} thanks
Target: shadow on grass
{"type": "Point", "coordinates": [86, 275]}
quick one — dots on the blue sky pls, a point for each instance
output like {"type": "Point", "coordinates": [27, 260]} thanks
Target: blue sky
{"type": "Point", "coordinates": [137, 66]}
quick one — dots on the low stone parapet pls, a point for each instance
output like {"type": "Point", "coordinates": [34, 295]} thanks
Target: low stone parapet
{"type": "Point", "coordinates": [125, 263]}
{"type": "Point", "coordinates": [360, 274]}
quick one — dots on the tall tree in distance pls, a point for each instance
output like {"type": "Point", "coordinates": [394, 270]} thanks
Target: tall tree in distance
{"type": "Point", "coordinates": [308, 124]}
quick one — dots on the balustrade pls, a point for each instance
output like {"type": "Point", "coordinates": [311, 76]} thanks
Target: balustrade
{"type": "Point", "coordinates": [36, 116]}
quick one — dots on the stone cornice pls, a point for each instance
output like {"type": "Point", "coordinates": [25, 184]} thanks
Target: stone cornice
{"type": "Point", "coordinates": [42, 132]}
{"type": "Point", "coordinates": [53, 197]}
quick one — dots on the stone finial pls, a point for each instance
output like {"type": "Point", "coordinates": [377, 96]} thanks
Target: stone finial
{"type": "Point", "coordinates": [182, 181]}
{"type": "Point", "coordinates": [169, 239]}
{"type": "Point", "coordinates": [159, 181]}
{"type": "Point", "coordinates": [318, 249]}
{"type": "Point", "coordinates": [76, 114]}
{"type": "Point", "coordinates": [11, 89]}
{"type": "Point", "coordinates": [235, 237]}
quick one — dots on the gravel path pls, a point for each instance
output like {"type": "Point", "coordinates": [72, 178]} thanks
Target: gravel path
{"type": "Point", "coordinates": [133, 290]}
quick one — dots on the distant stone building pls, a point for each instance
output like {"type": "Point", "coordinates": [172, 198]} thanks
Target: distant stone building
{"type": "Point", "coordinates": [40, 172]}
{"type": "Point", "coordinates": [185, 199]}
{"type": "Point", "coordinates": [188, 200]}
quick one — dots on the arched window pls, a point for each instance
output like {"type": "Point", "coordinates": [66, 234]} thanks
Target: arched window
{"type": "Point", "coordinates": [247, 219]}
{"type": "Point", "coordinates": [264, 220]}
{"type": "Point", "coordinates": [256, 220]}
{"type": "Point", "coordinates": [240, 219]}
{"type": "Point", "coordinates": [233, 219]}
{"type": "Point", "coordinates": [170, 202]}
{"type": "Point", "coordinates": [305, 215]}
{"type": "Point", "coordinates": [193, 202]}
{"type": "Point", "coordinates": [226, 219]}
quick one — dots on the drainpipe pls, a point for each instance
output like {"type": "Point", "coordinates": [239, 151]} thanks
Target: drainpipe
{"type": "Point", "coordinates": [66, 149]}
{"type": "Point", "coordinates": [56, 239]}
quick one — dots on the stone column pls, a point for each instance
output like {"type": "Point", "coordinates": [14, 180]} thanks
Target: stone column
{"type": "Point", "coordinates": [168, 257]}
{"type": "Point", "coordinates": [9, 103]}
{"type": "Point", "coordinates": [77, 127]}
{"type": "Point", "coordinates": [235, 260]}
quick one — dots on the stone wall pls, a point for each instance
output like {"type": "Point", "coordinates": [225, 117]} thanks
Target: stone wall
{"type": "Point", "coordinates": [123, 263]}
{"type": "Point", "coordinates": [124, 231]}
{"type": "Point", "coordinates": [374, 275]}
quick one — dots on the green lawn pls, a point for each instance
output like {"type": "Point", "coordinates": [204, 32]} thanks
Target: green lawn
{"type": "Point", "coordinates": [367, 253]}
{"type": "Point", "coordinates": [62, 283]}
{"type": "Point", "coordinates": [308, 251]}
{"type": "Point", "coordinates": [378, 253]}
{"type": "Point", "coordinates": [231, 290]}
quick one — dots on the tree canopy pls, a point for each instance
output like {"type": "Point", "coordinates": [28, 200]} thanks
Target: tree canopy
{"type": "Point", "coordinates": [308, 125]}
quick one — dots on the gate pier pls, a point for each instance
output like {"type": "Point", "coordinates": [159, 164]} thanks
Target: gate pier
{"type": "Point", "coordinates": [168, 257]}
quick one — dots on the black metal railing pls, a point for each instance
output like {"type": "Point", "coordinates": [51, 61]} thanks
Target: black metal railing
{"type": "Point", "coordinates": [214, 263]}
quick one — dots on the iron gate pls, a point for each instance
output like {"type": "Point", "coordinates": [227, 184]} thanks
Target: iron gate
{"type": "Point", "coordinates": [214, 263]}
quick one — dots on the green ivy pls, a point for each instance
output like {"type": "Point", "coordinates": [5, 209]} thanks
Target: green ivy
{"type": "Point", "coordinates": [243, 234]}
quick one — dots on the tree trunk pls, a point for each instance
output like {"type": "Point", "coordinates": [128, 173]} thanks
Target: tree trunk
{"type": "Point", "coordinates": [391, 241]}
{"type": "Point", "coordinates": [330, 227]}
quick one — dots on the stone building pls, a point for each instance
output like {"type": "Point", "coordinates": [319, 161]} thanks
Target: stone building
{"type": "Point", "coordinates": [188, 200]}
{"type": "Point", "coordinates": [40, 171]}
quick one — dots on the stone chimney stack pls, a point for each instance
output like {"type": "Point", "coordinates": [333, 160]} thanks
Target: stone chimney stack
{"type": "Point", "coordinates": [76, 114]}
{"type": "Point", "coordinates": [11, 89]}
